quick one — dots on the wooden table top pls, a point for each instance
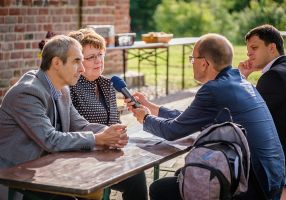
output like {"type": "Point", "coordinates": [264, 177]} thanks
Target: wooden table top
{"type": "Point", "coordinates": [85, 172]}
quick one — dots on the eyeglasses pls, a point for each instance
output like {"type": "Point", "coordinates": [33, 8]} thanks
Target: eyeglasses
{"type": "Point", "coordinates": [192, 58]}
{"type": "Point", "coordinates": [94, 57]}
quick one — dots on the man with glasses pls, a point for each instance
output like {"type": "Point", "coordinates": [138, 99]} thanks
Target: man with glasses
{"type": "Point", "coordinates": [223, 86]}
{"type": "Point", "coordinates": [37, 116]}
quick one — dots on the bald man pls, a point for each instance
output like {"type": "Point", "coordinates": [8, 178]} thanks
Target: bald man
{"type": "Point", "coordinates": [222, 87]}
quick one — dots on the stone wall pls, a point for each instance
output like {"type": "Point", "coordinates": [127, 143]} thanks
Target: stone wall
{"type": "Point", "coordinates": [24, 23]}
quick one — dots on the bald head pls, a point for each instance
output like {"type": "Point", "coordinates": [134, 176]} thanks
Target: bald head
{"type": "Point", "coordinates": [216, 49]}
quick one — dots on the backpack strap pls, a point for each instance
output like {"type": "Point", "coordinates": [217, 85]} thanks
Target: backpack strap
{"type": "Point", "coordinates": [223, 116]}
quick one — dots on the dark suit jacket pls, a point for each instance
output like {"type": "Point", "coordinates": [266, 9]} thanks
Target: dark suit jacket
{"type": "Point", "coordinates": [272, 87]}
{"type": "Point", "coordinates": [247, 107]}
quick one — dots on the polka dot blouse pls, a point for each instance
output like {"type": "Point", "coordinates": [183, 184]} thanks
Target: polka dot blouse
{"type": "Point", "coordinates": [95, 100]}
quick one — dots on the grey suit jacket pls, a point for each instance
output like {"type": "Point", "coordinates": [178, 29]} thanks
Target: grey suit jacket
{"type": "Point", "coordinates": [27, 122]}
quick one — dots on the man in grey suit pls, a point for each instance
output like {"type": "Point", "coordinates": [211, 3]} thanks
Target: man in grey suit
{"type": "Point", "coordinates": [37, 116]}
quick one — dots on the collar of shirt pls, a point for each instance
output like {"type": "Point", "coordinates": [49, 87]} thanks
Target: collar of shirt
{"type": "Point", "coordinates": [268, 66]}
{"type": "Point", "coordinates": [55, 93]}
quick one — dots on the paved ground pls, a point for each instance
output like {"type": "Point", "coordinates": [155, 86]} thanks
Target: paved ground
{"type": "Point", "coordinates": [180, 101]}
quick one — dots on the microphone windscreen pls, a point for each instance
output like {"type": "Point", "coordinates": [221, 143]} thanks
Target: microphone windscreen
{"type": "Point", "coordinates": [118, 83]}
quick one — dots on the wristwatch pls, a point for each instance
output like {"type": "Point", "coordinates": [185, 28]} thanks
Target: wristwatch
{"type": "Point", "coordinates": [145, 117]}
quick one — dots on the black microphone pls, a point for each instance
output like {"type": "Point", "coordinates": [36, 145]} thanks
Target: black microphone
{"type": "Point", "coordinates": [120, 86]}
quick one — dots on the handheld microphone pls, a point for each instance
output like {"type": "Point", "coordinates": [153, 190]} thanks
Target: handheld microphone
{"type": "Point", "coordinates": [120, 86]}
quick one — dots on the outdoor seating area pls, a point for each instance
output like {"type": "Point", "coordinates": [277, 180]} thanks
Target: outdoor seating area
{"type": "Point", "coordinates": [95, 95]}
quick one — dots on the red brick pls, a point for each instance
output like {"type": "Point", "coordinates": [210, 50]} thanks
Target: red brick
{"type": "Point", "coordinates": [14, 64]}
{"type": "Point", "coordinates": [73, 26]}
{"type": "Point", "coordinates": [6, 74]}
{"type": "Point", "coordinates": [35, 45]}
{"type": "Point", "coordinates": [54, 2]}
{"type": "Point", "coordinates": [16, 55]}
{"type": "Point", "coordinates": [28, 54]}
{"type": "Point", "coordinates": [10, 19]}
{"type": "Point", "coordinates": [60, 16]}
{"type": "Point", "coordinates": [4, 83]}
{"type": "Point", "coordinates": [40, 36]}
{"type": "Point", "coordinates": [7, 46]}
{"type": "Point", "coordinates": [28, 45]}
{"type": "Point", "coordinates": [1, 95]}
{"type": "Point", "coordinates": [47, 27]}
{"type": "Point", "coordinates": [43, 11]}
{"type": "Point", "coordinates": [31, 27]}
{"type": "Point", "coordinates": [19, 37]}
{"type": "Point", "coordinates": [19, 45]}
{"type": "Point", "coordinates": [3, 65]}
{"type": "Point", "coordinates": [6, 56]}
{"type": "Point", "coordinates": [42, 19]}
{"type": "Point", "coordinates": [56, 19]}
{"type": "Point", "coordinates": [20, 19]}
{"type": "Point", "coordinates": [20, 28]}
{"type": "Point", "coordinates": [64, 2]}
{"type": "Point", "coordinates": [32, 11]}
{"type": "Point", "coordinates": [5, 2]}
{"type": "Point", "coordinates": [4, 11]}
{"type": "Point", "coordinates": [38, 3]}
{"type": "Point", "coordinates": [30, 63]}
{"type": "Point", "coordinates": [27, 2]}
{"type": "Point", "coordinates": [66, 19]}
{"type": "Point", "coordinates": [14, 11]}
{"type": "Point", "coordinates": [38, 62]}
{"type": "Point", "coordinates": [73, 2]}
{"type": "Point", "coordinates": [71, 11]}
{"type": "Point", "coordinates": [29, 19]}
{"type": "Point", "coordinates": [91, 3]}
{"type": "Point", "coordinates": [4, 28]}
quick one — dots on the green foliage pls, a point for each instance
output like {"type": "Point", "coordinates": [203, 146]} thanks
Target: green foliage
{"type": "Point", "coordinates": [264, 12]}
{"type": "Point", "coordinates": [232, 18]}
{"type": "Point", "coordinates": [182, 18]}
{"type": "Point", "coordinates": [141, 13]}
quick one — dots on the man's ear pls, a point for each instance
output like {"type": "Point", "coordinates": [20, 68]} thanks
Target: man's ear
{"type": "Point", "coordinates": [273, 48]}
{"type": "Point", "coordinates": [205, 65]}
{"type": "Point", "coordinates": [56, 63]}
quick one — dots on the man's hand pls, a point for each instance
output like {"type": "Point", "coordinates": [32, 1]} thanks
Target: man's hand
{"type": "Point", "coordinates": [114, 136]}
{"type": "Point", "coordinates": [246, 68]}
{"type": "Point", "coordinates": [140, 113]}
{"type": "Point", "coordinates": [142, 99]}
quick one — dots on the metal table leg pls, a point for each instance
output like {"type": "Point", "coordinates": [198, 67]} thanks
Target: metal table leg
{"type": "Point", "coordinates": [106, 193]}
{"type": "Point", "coordinates": [156, 172]}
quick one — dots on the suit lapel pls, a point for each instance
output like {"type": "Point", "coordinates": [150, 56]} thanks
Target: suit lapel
{"type": "Point", "coordinates": [41, 76]}
{"type": "Point", "coordinates": [64, 111]}
{"type": "Point", "coordinates": [280, 60]}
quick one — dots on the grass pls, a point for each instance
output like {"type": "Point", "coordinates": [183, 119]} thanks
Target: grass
{"type": "Point", "coordinates": [175, 67]}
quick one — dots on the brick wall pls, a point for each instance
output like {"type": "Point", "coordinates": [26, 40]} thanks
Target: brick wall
{"type": "Point", "coordinates": [24, 23]}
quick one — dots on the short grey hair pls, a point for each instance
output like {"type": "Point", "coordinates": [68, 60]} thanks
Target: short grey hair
{"type": "Point", "coordinates": [57, 46]}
